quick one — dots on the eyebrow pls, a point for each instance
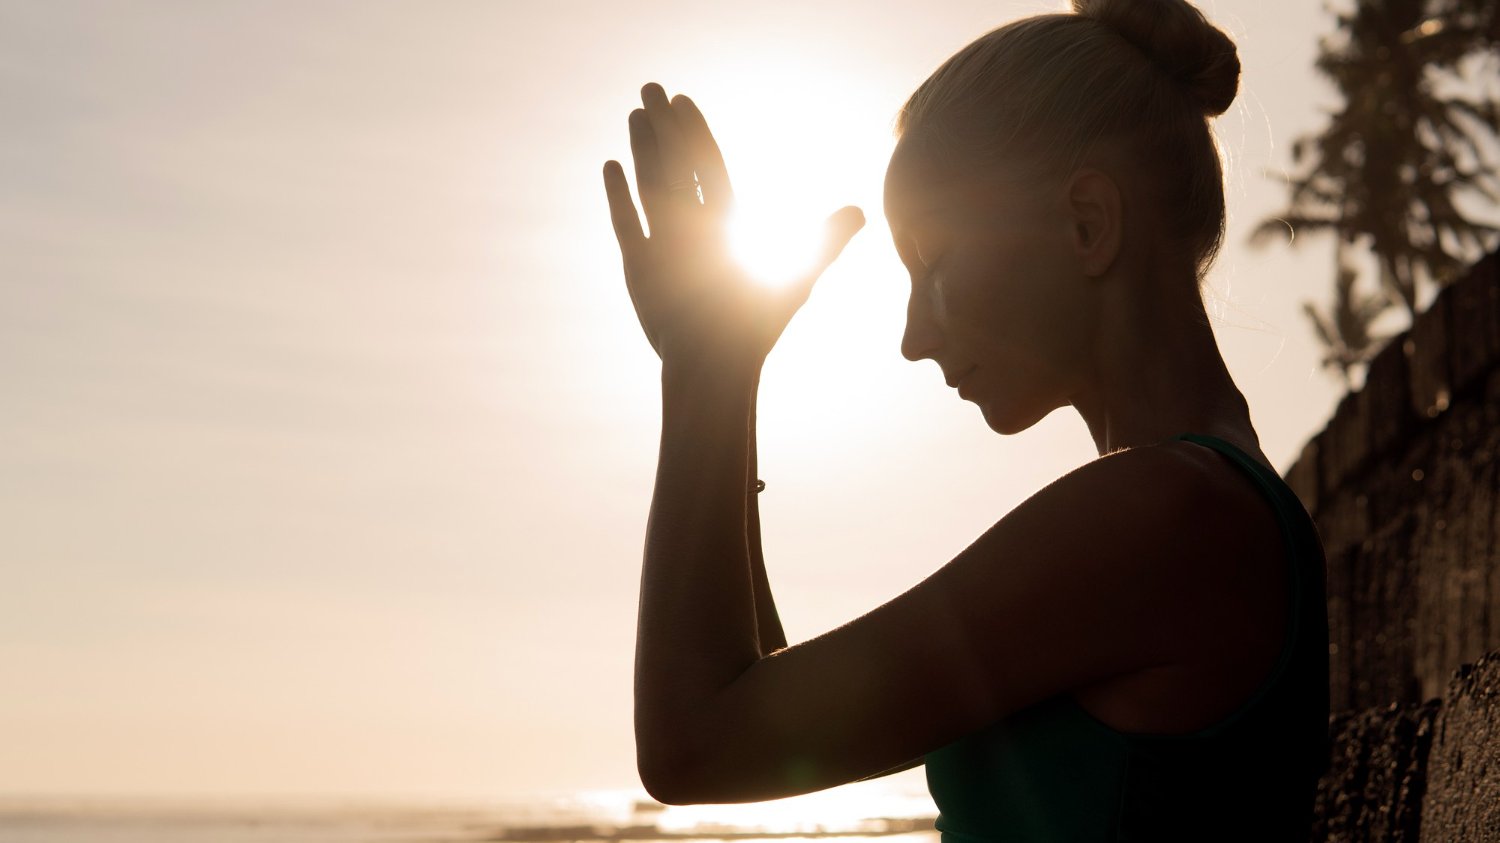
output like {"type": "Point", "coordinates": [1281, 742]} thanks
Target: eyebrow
{"type": "Point", "coordinates": [906, 249]}
{"type": "Point", "coordinates": [906, 253]}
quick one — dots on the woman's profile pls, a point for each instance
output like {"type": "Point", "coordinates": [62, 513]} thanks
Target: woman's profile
{"type": "Point", "coordinates": [1139, 650]}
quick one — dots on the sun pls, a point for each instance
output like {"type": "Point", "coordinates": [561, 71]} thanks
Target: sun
{"type": "Point", "coordinates": [801, 138]}
{"type": "Point", "coordinates": [777, 247]}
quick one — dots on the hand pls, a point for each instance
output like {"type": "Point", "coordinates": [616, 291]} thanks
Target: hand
{"type": "Point", "coordinates": [692, 300]}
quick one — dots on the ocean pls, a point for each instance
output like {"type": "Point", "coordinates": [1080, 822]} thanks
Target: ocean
{"type": "Point", "coordinates": [866, 812]}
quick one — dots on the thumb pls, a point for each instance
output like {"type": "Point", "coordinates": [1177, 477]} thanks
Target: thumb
{"type": "Point", "coordinates": [840, 228]}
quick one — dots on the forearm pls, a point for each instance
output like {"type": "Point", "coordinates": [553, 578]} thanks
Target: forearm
{"type": "Point", "coordinates": [767, 620]}
{"type": "Point", "coordinates": [697, 626]}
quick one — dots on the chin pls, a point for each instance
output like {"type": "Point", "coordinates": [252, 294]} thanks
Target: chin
{"type": "Point", "coordinates": [1008, 421]}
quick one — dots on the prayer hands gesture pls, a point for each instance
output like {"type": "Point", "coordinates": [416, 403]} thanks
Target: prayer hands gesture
{"type": "Point", "coordinates": [693, 301]}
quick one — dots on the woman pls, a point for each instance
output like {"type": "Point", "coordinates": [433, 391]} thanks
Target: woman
{"type": "Point", "coordinates": [1138, 651]}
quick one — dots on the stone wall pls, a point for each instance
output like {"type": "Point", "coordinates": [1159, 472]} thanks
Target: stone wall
{"type": "Point", "coordinates": [1462, 799]}
{"type": "Point", "coordinates": [1377, 776]}
{"type": "Point", "coordinates": [1404, 486]}
{"type": "Point", "coordinates": [1417, 772]}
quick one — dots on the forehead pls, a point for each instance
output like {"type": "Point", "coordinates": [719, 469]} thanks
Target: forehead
{"type": "Point", "coordinates": [913, 185]}
{"type": "Point", "coordinates": [920, 192]}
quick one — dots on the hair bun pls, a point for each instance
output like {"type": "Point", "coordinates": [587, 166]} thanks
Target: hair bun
{"type": "Point", "coordinates": [1176, 36]}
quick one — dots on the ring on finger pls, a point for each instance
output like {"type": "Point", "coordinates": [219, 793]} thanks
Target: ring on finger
{"type": "Point", "coordinates": [688, 185]}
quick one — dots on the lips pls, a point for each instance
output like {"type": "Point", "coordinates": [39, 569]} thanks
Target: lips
{"type": "Point", "coordinates": [955, 381]}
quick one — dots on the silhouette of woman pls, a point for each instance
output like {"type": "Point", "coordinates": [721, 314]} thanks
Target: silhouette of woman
{"type": "Point", "coordinates": [1139, 650]}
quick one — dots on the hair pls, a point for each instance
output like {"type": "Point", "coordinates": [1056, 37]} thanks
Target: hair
{"type": "Point", "coordinates": [1046, 90]}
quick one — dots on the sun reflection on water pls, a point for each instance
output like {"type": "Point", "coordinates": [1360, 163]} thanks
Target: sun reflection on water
{"type": "Point", "coordinates": [861, 809]}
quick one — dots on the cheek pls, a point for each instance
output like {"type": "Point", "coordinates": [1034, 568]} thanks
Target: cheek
{"type": "Point", "coordinates": [1008, 288]}
{"type": "Point", "coordinates": [1021, 310]}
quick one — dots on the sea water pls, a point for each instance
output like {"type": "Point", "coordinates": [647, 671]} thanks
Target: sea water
{"type": "Point", "coordinates": [895, 812]}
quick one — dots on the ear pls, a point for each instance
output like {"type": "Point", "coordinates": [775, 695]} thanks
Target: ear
{"type": "Point", "coordinates": [1094, 208]}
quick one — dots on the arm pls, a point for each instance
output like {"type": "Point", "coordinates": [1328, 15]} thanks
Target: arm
{"type": "Point", "coordinates": [915, 762]}
{"type": "Point", "coordinates": [701, 622]}
{"type": "Point", "coordinates": [697, 626]}
{"type": "Point", "coordinates": [1046, 601]}
{"type": "Point", "coordinates": [767, 621]}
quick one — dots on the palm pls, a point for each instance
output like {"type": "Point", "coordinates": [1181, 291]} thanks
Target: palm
{"type": "Point", "coordinates": [691, 297]}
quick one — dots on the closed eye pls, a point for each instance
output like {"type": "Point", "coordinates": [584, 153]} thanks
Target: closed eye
{"type": "Point", "coordinates": [928, 270]}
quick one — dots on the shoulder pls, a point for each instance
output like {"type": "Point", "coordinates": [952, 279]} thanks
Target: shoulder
{"type": "Point", "coordinates": [1162, 495]}
{"type": "Point", "coordinates": [1145, 551]}
{"type": "Point", "coordinates": [1118, 564]}
{"type": "Point", "coordinates": [1185, 512]}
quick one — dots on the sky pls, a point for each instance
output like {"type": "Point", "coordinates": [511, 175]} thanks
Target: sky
{"type": "Point", "coordinates": [327, 430]}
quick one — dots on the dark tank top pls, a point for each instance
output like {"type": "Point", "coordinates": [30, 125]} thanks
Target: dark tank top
{"type": "Point", "coordinates": [1052, 773]}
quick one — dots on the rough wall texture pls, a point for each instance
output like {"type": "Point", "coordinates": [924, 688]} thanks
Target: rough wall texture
{"type": "Point", "coordinates": [1403, 485]}
{"type": "Point", "coordinates": [1417, 772]}
{"type": "Point", "coordinates": [1375, 781]}
{"type": "Point", "coordinates": [1463, 767]}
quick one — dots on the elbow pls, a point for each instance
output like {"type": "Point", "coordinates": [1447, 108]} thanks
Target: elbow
{"type": "Point", "coordinates": [669, 755]}
{"type": "Point", "coordinates": [678, 771]}
{"type": "Point", "coordinates": [665, 792]}
{"type": "Point", "coordinates": [692, 759]}
{"type": "Point", "coordinates": [667, 781]}
{"type": "Point", "coordinates": [688, 779]}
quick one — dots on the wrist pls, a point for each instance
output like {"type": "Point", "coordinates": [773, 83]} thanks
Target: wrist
{"type": "Point", "coordinates": [732, 371]}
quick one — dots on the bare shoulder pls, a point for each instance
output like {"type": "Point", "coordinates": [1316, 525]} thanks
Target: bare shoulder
{"type": "Point", "coordinates": [1133, 562]}
{"type": "Point", "coordinates": [1232, 620]}
{"type": "Point", "coordinates": [1203, 512]}
{"type": "Point", "coordinates": [1164, 495]}
{"type": "Point", "coordinates": [1168, 544]}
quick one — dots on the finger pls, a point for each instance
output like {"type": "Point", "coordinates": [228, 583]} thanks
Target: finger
{"type": "Point", "coordinates": [648, 181]}
{"type": "Point", "coordinates": [708, 161]}
{"type": "Point", "coordinates": [622, 213]}
{"type": "Point", "coordinates": [841, 227]}
{"type": "Point", "coordinates": [627, 224]}
{"type": "Point", "coordinates": [843, 224]}
{"type": "Point", "coordinates": [671, 146]}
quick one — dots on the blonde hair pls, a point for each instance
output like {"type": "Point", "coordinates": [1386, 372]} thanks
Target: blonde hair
{"type": "Point", "coordinates": [1045, 90]}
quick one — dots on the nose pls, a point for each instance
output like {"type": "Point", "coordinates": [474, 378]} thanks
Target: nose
{"type": "Point", "coordinates": [923, 337]}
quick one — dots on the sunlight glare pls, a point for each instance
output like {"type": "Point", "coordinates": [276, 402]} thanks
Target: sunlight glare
{"type": "Point", "coordinates": [849, 808]}
{"type": "Point", "coordinates": [800, 140]}
{"type": "Point", "coordinates": [777, 248]}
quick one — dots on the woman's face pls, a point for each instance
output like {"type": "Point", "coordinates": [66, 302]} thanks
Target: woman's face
{"type": "Point", "coordinates": [997, 299]}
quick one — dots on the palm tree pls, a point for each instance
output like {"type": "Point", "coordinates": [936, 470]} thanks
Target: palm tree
{"type": "Point", "coordinates": [1409, 147]}
{"type": "Point", "coordinates": [1345, 329]}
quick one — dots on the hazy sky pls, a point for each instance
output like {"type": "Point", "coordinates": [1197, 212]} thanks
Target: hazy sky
{"type": "Point", "coordinates": [327, 431]}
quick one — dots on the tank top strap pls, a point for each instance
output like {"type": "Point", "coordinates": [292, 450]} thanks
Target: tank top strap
{"type": "Point", "coordinates": [1270, 483]}
{"type": "Point", "coordinates": [1293, 520]}
{"type": "Point", "coordinates": [1288, 507]}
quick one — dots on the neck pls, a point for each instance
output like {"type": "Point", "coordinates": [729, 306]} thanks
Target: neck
{"type": "Point", "coordinates": [1157, 371]}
